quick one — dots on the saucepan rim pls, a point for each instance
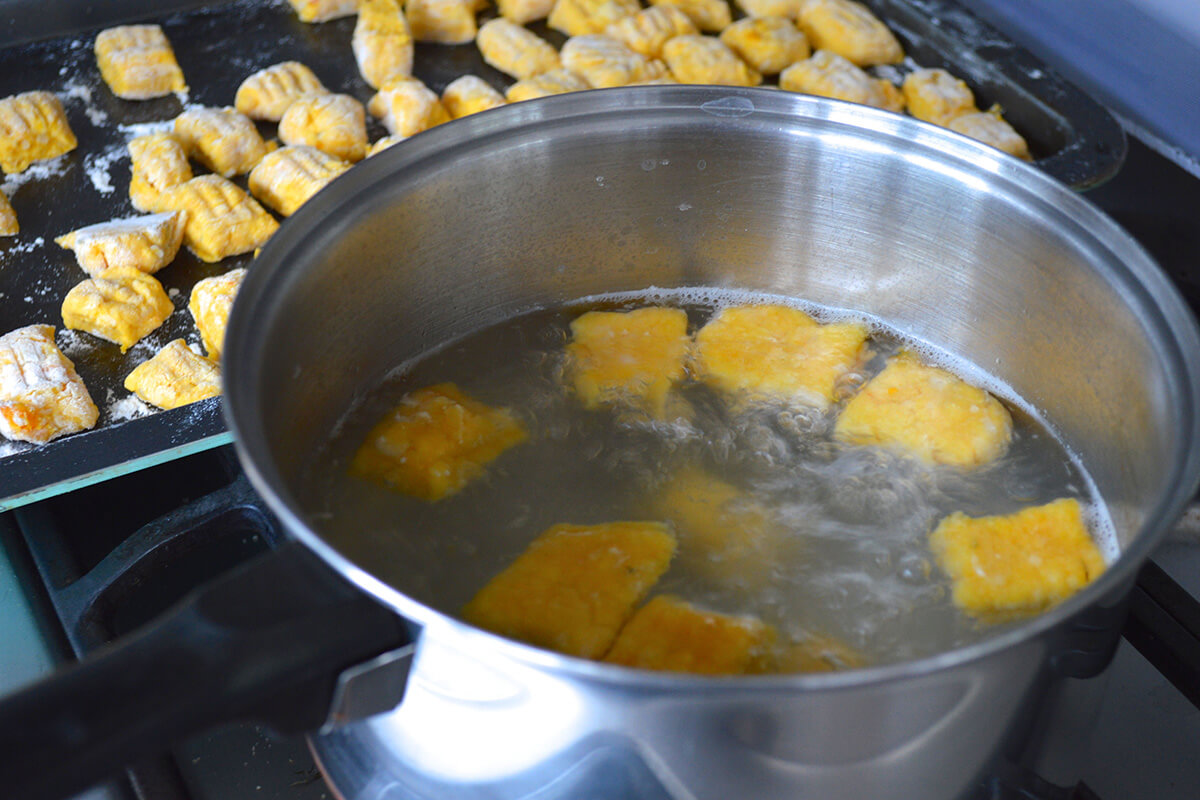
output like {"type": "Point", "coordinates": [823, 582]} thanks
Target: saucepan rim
{"type": "Point", "coordinates": [1176, 333]}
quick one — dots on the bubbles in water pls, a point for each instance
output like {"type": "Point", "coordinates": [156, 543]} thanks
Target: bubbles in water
{"type": "Point", "coordinates": [833, 537]}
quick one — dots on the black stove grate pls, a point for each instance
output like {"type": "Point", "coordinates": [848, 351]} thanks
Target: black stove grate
{"type": "Point", "coordinates": [114, 556]}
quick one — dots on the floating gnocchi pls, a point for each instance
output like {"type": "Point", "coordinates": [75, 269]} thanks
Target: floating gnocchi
{"type": "Point", "coordinates": [137, 62]}
{"type": "Point", "coordinates": [605, 62]}
{"type": "Point", "coordinates": [267, 93]}
{"type": "Point", "coordinates": [144, 243]}
{"type": "Point", "coordinates": [724, 534]}
{"type": "Point", "coordinates": [649, 29]}
{"type": "Point", "coordinates": [850, 30]}
{"type": "Point", "coordinates": [928, 413]}
{"type": "Point", "coordinates": [223, 139]}
{"type": "Point", "coordinates": [827, 74]}
{"type": "Point", "coordinates": [435, 442]}
{"type": "Point", "coordinates": [382, 42]}
{"type": "Point", "coordinates": [120, 305]}
{"type": "Point", "coordinates": [673, 635]}
{"type": "Point", "coordinates": [706, 59]}
{"type": "Point", "coordinates": [33, 127]}
{"type": "Point", "coordinates": [470, 94]}
{"type": "Point", "coordinates": [41, 395]}
{"type": "Point", "coordinates": [777, 352]}
{"type": "Point", "coordinates": [407, 106]}
{"type": "Point", "coordinates": [222, 220]}
{"type": "Point", "coordinates": [159, 163]}
{"type": "Point", "coordinates": [1015, 565]}
{"type": "Point", "coordinates": [816, 653]}
{"type": "Point", "coordinates": [575, 586]}
{"type": "Point", "coordinates": [628, 358]}
{"type": "Point", "coordinates": [210, 303]}
{"type": "Point", "coordinates": [288, 177]}
{"type": "Point", "coordinates": [515, 50]}
{"type": "Point", "coordinates": [175, 377]}
{"type": "Point", "coordinates": [335, 124]}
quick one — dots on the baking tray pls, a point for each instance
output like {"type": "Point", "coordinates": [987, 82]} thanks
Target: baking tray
{"type": "Point", "coordinates": [1072, 138]}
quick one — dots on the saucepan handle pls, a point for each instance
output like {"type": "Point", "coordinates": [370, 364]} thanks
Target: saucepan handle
{"type": "Point", "coordinates": [268, 641]}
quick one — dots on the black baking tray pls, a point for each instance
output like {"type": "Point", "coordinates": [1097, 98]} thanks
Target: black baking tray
{"type": "Point", "coordinates": [1072, 138]}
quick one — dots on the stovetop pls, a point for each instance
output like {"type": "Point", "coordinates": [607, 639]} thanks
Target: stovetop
{"type": "Point", "coordinates": [62, 592]}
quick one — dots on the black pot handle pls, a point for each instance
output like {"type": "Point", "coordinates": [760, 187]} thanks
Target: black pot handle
{"type": "Point", "coordinates": [1164, 625]}
{"type": "Point", "coordinates": [265, 642]}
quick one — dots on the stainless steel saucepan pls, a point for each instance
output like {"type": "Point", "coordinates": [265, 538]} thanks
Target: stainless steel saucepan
{"type": "Point", "coordinates": [541, 203]}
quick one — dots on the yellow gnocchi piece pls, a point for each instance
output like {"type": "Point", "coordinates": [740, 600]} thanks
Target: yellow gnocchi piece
{"type": "Point", "coordinates": [936, 96]}
{"type": "Point", "coordinates": [772, 8]}
{"type": "Point", "coordinates": [523, 11]}
{"type": "Point", "coordinates": [223, 139]}
{"type": "Point", "coordinates": [927, 412]}
{"type": "Point", "coordinates": [1010, 566]}
{"type": "Point", "coordinates": [991, 128]}
{"type": "Point", "coordinates": [816, 653]}
{"type": "Point", "coordinates": [408, 107]}
{"type": "Point", "coordinates": [267, 93]}
{"type": "Point", "coordinates": [628, 358]}
{"type": "Point", "coordinates": [333, 123]}
{"type": "Point", "coordinates": [515, 50]}
{"type": "Point", "coordinates": [435, 442]}
{"type": "Point", "coordinates": [33, 127]}
{"type": "Point", "coordinates": [574, 586]}
{"type": "Point", "coordinates": [468, 95]}
{"type": "Point", "coordinates": [382, 42]}
{"type": "Point", "coordinates": [723, 534]}
{"type": "Point", "coordinates": [556, 81]}
{"type": "Point", "coordinates": [288, 177]}
{"type": "Point", "coordinates": [673, 635]}
{"type": "Point", "coordinates": [706, 59]}
{"type": "Point", "coordinates": [777, 352]}
{"type": "Point", "coordinates": [710, 16]}
{"type": "Point", "coordinates": [210, 303]}
{"type": "Point", "coordinates": [850, 30]}
{"type": "Point", "coordinates": [605, 62]}
{"type": "Point", "coordinates": [827, 74]}
{"type": "Point", "coordinates": [385, 143]}
{"type": "Point", "coordinates": [8, 218]}
{"type": "Point", "coordinates": [41, 396]}
{"type": "Point", "coordinates": [768, 44]}
{"type": "Point", "coordinates": [144, 243]}
{"type": "Point", "coordinates": [175, 377]}
{"type": "Point", "coordinates": [121, 305]}
{"type": "Point", "coordinates": [649, 29]}
{"type": "Point", "coordinates": [222, 220]}
{"type": "Point", "coordinates": [323, 10]}
{"type": "Point", "coordinates": [441, 21]}
{"type": "Point", "coordinates": [137, 62]}
{"type": "Point", "coordinates": [159, 163]}
{"type": "Point", "coordinates": [580, 17]}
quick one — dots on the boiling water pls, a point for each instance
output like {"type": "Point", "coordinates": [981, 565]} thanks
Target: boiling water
{"type": "Point", "coordinates": [851, 523]}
